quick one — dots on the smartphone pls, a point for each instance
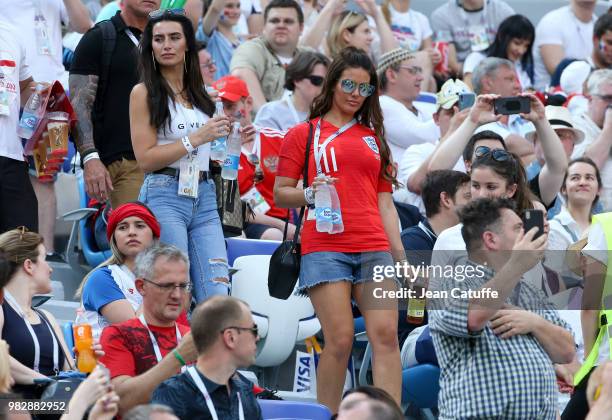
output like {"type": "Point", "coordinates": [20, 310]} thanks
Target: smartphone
{"type": "Point", "coordinates": [512, 105]}
{"type": "Point", "coordinates": [533, 218]}
{"type": "Point", "coordinates": [466, 100]}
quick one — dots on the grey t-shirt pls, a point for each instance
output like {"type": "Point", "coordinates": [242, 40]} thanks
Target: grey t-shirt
{"type": "Point", "coordinates": [469, 31]}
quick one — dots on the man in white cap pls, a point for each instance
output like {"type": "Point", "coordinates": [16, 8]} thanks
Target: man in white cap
{"type": "Point", "coordinates": [400, 81]}
{"type": "Point", "coordinates": [548, 162]}
{"type": "Point", "coordinates": [413, 166]}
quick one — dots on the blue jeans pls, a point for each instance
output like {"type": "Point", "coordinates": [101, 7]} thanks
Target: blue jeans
{"type": "Point", "coordinates": [192, 225]}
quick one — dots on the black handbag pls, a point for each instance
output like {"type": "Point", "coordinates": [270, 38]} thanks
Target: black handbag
{"type": "Point", "coordinates": [232, 210]}
{"type": "Point", "coordinates": [285, 262]}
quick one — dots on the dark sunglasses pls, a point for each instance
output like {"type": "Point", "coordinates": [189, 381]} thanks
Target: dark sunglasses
{"type": "Point", "coordinates": [500, 155]}
{"type": "Point", "coordinates": [349, 86]}
{"type": "Point", "coordinates": [254, 329]}
{"type": "Point", "coordinates": [156, 14]}
{"type": "Point", "coordinates": [315, 80]}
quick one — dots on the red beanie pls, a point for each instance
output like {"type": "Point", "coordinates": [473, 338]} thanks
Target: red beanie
{"type": "Point", "coordinates": [129, 210]}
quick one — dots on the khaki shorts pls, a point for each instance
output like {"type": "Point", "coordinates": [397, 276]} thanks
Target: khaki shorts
{"type": "Point", "coordinates": [127, 178]}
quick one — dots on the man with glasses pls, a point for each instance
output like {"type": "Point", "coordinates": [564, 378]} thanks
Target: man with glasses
{"type": "Point", "coordinates": [400, 80]}
{"type": "Point", "coordinates": [225, 336]}
{"type": "Point", "coordinates": [261, 62]}
{"type": "Point", "coordinates": [208, 66]}
{"type": "Point", "coordinates": [596, 124]}
{"type": "Point", "coordinates": [143, 352]}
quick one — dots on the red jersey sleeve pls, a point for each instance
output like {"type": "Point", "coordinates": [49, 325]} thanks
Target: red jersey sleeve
{"type": "Point", "coordinates": [292, 152]}
{"type": "Point", "coordinates": [117, 357]}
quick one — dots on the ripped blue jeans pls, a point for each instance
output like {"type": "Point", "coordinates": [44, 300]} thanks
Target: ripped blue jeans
{"type": "Point", "coordinates": [192, 225]}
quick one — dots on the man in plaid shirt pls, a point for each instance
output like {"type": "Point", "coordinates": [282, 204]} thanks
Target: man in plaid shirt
{"type": "Point", "coordinates": [496, 353]}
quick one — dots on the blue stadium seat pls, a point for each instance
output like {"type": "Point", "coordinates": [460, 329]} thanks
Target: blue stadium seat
{"type": "Point", "coordinates": [92, 254]}
{"type": "Point", "coordinates": [239, 247]}
{"type": "Point", "coordinates": [293, 410]}
{"type": "Point", "coordinates": [429, 98]}
{"type": "Point", "coordinates": [420, 387]}
{"type": "Point", "coordinates": [68, 336]}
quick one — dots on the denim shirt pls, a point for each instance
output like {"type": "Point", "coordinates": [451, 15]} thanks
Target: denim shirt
{"type": "Point", "coordinates": [182, 395]}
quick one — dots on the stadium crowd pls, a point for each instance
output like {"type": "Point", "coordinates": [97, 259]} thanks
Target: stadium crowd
{"type": "Point", "coordinates": [472, 138]}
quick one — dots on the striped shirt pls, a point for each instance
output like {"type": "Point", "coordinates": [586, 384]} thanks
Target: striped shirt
{"type": "Point", "coordinates": [485, 376]}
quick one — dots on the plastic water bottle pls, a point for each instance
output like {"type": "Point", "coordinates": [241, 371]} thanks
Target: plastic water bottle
{"type": "Point", "coordinates": [218, 148]}
{"type": "Point", "coordinates": [232, 159]}
{"type": "Point", "coordinates": [83, 342]}
{"type": "Point", "coordinates": [323, 207]}
{"type": "Point", "coordinates": [337, 224]}
{"type": "Point", "coordinates": [32, 113]}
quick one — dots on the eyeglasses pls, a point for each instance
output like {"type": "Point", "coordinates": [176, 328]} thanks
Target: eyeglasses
{"type": "Point", "coordinates": [315, 80]}
{"type": "Point", "coordinates": [414, 70]}
{"type": "Point", "coordinates": [209, 65]}
{"type": "Point", "coordinates": [169, 288]}
{"type": "Point", "coordinates": [499, 155]}
{"type": "Point", "coordinates": [156, 14]}
{"type": "Point", "coordinates": [254, 330]}
{"type": "Point", "coordinates": [349, 86]}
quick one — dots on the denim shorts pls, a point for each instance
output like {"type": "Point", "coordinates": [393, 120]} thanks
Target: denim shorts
{"type": "Point", "coordinates": [330, 267]}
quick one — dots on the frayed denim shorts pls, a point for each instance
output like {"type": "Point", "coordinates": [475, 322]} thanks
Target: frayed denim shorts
{"type": "Point", "coordinates": [330, 267]}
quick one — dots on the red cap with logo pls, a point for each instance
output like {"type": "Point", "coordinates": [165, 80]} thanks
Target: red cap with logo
{"type": "Point", "coordinates": [231, 88]}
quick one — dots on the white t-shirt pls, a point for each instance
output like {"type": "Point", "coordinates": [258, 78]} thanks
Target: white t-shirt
{"type": "Point", "coordinates": [473, 60]}
{"type": "Point", "coordinates": [45, 68]}
{"type": "Point", "coordinates": [403, 128]}
{"type": "Point", "coordinates": [597, 248]}
{"type": "Point", "coordinates": [13, 69]}
{"type": "Point", "coordinates": [564, 231]}
{"type": "Point", "coordinates": [410, 28]}
{"type": "Point", "coordinates": [410, 162]}
{"type": "Point", "coordinates": [591, 133]}
{"type": "Point", "coordinates": [561, 27]}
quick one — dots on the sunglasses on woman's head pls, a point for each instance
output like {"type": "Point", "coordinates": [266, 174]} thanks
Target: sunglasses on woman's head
{"type": "Point", "coordinates": [499, 155]}
{"type": "Point", "coordinates": [349, 86]}
{"type": "Point", "coordinates": [156, 14]}
{"type": "Point", "coordinates": [315, 80]}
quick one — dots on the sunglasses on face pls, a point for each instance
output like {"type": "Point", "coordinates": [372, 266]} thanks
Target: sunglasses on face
{"type": "Point", "coordinates": [500, 155]}
{"type": "Point", "coordinates": [315, 80]}
{"type": "Point", "coordinates": [156, 14]}
{"type": "Point", "coordinates": [349, 86]}
{"type": "Point", "coordinates": [254, 329]}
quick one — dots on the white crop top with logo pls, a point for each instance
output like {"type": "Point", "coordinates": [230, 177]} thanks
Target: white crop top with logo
{"type": "Point", "coordinates": [184, 121]}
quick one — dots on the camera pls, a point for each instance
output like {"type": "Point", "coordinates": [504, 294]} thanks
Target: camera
{"type": "Point", "coordinates": [512, 105]}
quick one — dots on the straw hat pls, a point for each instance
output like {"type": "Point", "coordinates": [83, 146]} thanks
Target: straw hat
{"type": "Point", "coordinates": [560, 117]}
{"type": "Point", "coordinates": [392, 57]}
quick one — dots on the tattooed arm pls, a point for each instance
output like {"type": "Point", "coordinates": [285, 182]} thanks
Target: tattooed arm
{"type": "Point", "coordinates": [83, 89]}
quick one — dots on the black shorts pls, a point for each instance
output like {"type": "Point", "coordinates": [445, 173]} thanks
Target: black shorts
{"type": "Point", "coordinates": [18, 204]}
{"type": "Point", "coordinates": [255, 230]}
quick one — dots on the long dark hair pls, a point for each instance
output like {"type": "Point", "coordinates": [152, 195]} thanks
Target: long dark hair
{"type": "Point", "coordinates": [369, 114]}
{"type": "Point", "coordinates": [514, 173]}
{"type": "Point", "coordinates": [515, 26]}
{"type": "Point", "coordinates": [157, 87]}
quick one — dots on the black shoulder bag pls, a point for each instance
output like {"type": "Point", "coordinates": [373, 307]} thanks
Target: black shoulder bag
{"type": "Point", "coordinates": [285, 262]}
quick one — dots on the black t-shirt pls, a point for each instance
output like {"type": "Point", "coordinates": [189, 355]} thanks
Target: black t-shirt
{"type": "Point", "coordinates": [112, 136]}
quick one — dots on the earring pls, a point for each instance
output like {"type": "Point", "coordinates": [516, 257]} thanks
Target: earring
{"type": "Point", "coordinates": [153, 57]}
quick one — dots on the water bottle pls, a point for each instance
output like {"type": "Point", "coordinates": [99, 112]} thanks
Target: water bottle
{"type": "Point", "coordinates": [337, 225]}
{"type": "Point", "coordinates": [83, 342]}
{"type": "Point", "coordinates": [323, 207]}
{"type": "Point", "coordinates": [234, 148]}
{"type": "Point", "coordinates": [32, 113]}
{"type": "Point", "coordinates": [218, 149]}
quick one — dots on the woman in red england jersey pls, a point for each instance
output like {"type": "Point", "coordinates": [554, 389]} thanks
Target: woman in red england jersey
{"type": "Point", "coordinates": [348, 135]}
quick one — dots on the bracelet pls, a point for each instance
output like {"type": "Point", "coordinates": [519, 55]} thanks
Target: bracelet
{"type": "Point", "coordinates": [90, 156]}
{"type": "Point", "coordinates": [187, 144]}
{"type": "Point", "coordinates": [178, 357]}
{"type": "Point", "coordinates": [309, 195]}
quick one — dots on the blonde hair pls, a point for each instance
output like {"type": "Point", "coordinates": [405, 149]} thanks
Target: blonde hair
{"type": "Point", "coordinates": [17, 246]}
{"type": "Point", "coordinates": [116, 258]}
{"type": "Point", "coordinates": [347, 20]}
{"type": "Point", "coordinates": [5, 368]}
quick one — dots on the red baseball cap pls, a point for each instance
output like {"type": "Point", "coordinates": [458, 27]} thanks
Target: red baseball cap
{"type": "Point", "coordinates": [231, 88]}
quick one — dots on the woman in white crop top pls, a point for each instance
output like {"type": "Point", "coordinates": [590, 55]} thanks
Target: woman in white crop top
{"type": "Point", "coordinates": [171, 127]}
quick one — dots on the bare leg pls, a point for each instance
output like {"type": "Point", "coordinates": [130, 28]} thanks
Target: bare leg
{"type": "Point", "coordinates": [47, 211]}
{"type": "Point", "coordinates": [332, 303]}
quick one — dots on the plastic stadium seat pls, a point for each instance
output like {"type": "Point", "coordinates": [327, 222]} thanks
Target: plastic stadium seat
{"type": "Point", "coordinates": [92, 254]}
{"type": "Point", "coordinates": [282, 323]}
{"type": "Point", "coordinates": [420, 387]}
{"type": "Point", "coordinates": [292, 410]}
{"type": "Point", "coordinates": [238, 247]}
{"type": "Point", "coordinates": [68, 336]}
{"type": "Point", "coordinates": [429, 98]}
